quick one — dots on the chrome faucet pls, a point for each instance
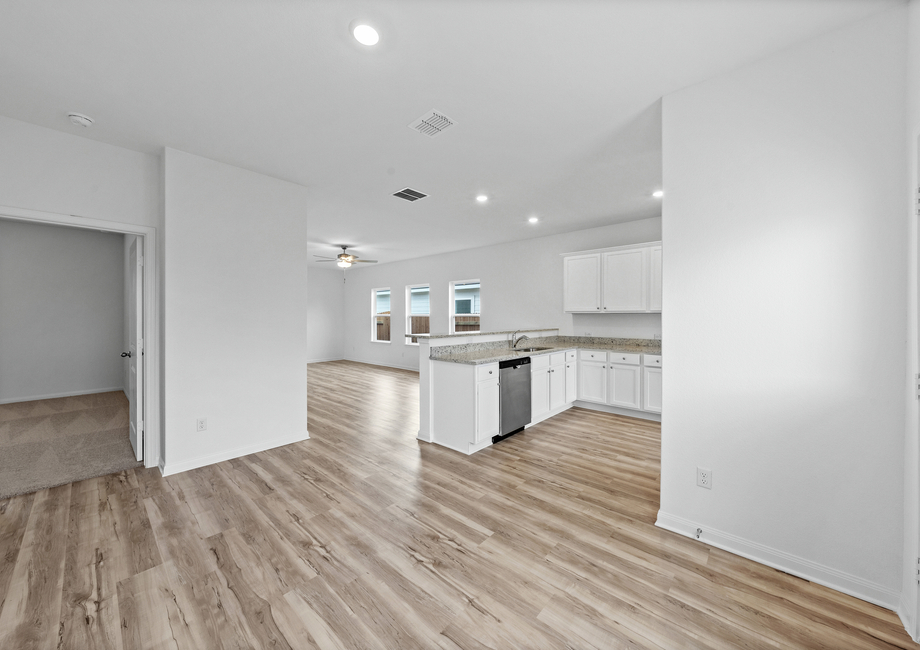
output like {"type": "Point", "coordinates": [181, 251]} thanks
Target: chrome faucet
{"type": "Point", "coordinates": [514, 343]}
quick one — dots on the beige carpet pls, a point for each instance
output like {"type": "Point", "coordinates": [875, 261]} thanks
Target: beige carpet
{"type": "Point", "coordinates": [55, 441]}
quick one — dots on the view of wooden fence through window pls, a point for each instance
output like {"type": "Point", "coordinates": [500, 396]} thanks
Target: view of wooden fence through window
{"type": "Point", "coordinates": [466, 307]}
{"type": "Point", "coordinates": [419, 312]}
{"type": "Point", "coordinates": [466, 323]}
{"type": "Point", "coordinates": [381, 330]}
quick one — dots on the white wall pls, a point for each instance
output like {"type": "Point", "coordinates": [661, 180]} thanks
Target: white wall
{"type": "Point", "coordinates": [61, 311]}
{"type": "Point", "coordinates": [521, 288]}
{"type": "Point", "coordinates": [235, 311]}
{"type": "Point", "coordinates": [909, 601]}
{"type": "Point", "coordinates": [43, 169]}
{"type": "Point", "coordinates": [784, 284]}
{"type": "Point", "coordinates": [325, 315]}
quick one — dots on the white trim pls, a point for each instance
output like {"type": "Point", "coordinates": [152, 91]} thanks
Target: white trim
{"type": "Point", "coordinates": [792, 564]}
{"type": "Point", "coordinates": [228, 454]}
{"type": "Point", "coordinates": [152, 451]}
{"type": "Point", "coordinates": [617, 410]}
{"type": "Point", "coordinates": [471, 449]}
{"type": "Point", "coordinates": [72, 393]}
{"type": "Point", "coordinates": [906, 621]}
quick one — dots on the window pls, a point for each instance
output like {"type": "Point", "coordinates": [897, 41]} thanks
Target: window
{"type": "Point", "coordinates": [418, 316]}
{"type": "Point", "coordinates": [464, 306]}
{"type": "Point", "coordinates": [380, 306]}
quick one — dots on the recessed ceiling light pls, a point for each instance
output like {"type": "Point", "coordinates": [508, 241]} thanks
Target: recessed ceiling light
{"type": "Point", "coordinates": [658, 194]}
{"type": "Point", "coordinates": [533, 220]}
{"type": "Point", "coordinates": [482, 198]}
{"type": "Point", "coordinates": [366, 35]}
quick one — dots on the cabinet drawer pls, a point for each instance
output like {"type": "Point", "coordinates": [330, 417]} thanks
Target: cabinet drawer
{"type": "Point", "coordinates": [652, 360]}
{"type": "Point", "coordinates": [571, 355]}
{"type": "Point", "coordinates": [539, 362]}
{"type": "Point", "coordinates": [593, 355]}
{"type": "Point", "coordinates": [487, 371]}
{"type": "Point", "coordinates": [625, 357]}
{"type": "Point", "coordinates": [557, 358]}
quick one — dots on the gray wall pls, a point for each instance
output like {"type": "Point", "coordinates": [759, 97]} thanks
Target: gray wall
{"type": "Point", "coordinates": [61, 311]}
{"type": "Point", "coordinates": [325, 314]}
{"type": "Point", "coordinates": [521, 288]}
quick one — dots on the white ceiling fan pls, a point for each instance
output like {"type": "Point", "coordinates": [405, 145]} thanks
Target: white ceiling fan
{"type": "Point", "coordinates": [344, 259]}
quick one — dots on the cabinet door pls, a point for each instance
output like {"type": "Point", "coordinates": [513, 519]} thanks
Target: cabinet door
{"type": "Point", "coordinates": [488, 400]}
{"type": "Point", "coordinates": [592, 384]}
{"type": "Point", "coordinates": [652, 396]}
{"type": "Point", "coordinates": [571, 390]}
{"type": "Point", "coordinates": [539, 394]}
{"type": "Point", "coordinates": [624, 385]}
{"type": "Point", "coordinates": [625, 285]}
{"type": "Point", "coordinates": [582, 286]}
{"type": "Point", "coordinates": [557, 386]}
{"type": "Point", "coordinates": [654, 260]}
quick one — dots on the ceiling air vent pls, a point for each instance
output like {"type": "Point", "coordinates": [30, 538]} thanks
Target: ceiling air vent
{"type": "Point", "coordinates": [432, 123]}
{"type": "Point", "coordinates": [410, 194]}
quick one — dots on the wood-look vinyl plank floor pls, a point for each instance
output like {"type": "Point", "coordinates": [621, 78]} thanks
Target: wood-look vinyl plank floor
{"type": "Point", "coordinates": [364, 537]}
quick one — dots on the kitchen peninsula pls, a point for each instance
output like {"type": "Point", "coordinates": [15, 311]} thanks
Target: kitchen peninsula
{"type": "Point", "coordinates": [459, 387]}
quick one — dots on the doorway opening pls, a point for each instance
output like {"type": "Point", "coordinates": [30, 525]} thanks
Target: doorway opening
{"type": "Point", "coordinates": [80, 397]}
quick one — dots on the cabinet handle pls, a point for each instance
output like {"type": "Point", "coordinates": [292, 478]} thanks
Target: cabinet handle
{"type": "Point", "coordinates": [490, 372]}
{"type": "Point", "coordinates": [598, 307]}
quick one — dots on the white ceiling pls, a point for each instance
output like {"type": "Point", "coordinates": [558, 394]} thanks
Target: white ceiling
{"type": "Point", "coordinates": [556, 103]}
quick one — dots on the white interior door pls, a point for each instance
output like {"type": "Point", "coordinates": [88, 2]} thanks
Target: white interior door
{"type": "Point", "coordinates": [136, 350]}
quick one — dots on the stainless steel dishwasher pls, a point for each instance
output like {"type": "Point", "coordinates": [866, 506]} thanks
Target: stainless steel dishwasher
{"type": "Point", "coordinates": [514, 381]}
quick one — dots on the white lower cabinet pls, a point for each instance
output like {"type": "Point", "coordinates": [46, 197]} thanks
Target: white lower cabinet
{"type": "Point", "coordinates": [651, 383]}
{"type": "Point", "coordinates": [624, 383]}
{"type": "Point", "coordinates": [620, 379]}
{"type": "Point", "coordinates": [539, 388]}
{"type": "Point", "coordinates": [592, 382]}
{"type": "Point", "coordinates": [548, 384]}
{"type": "Point", "coordinates": [488, 401]}
{"type": "Point", "coordinates": [571, 376]}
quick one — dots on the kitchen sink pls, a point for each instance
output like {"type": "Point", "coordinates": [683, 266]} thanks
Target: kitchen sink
{"type": "Point", "coordinates": [531, 349]}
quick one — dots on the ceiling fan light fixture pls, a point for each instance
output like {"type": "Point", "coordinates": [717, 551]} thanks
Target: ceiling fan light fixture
{"type": "Point", "coordinates": [344, 263]}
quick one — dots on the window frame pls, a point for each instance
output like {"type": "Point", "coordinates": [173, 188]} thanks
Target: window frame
{"type": "Point", "coordinates": [409, 314]}
{"type": "Point", "coordinates": [452, 305]}
{"type": "Point", "coordinates": [374, 315]}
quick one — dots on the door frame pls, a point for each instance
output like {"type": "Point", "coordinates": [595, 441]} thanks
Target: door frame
{"type": "Point", "coordinates": [148, 236]}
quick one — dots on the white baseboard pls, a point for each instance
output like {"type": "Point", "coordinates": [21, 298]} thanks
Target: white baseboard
{"type": "Point", "coordinates": [382, 365]}
{"type": "Point", "coordinates": [642, 415]}
{"type": "Point", "coordinates": [167, 468]}
{"type": "Point", "coordinates": [324, 360]}
{"type": "Point", "coordinates": [73, 393]}
{"type": "Point", "coordinates": [908, 622]}
{"type": "Point", "coordinates": [792, 564]}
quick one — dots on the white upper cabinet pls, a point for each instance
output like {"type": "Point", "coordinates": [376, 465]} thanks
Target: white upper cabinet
{"type": "Point", "coordinates": [654, 294]}
{"type": "Point", "coordinates": [622, 279]}
{"type": "Point", "coordinates": [583, 282]}
{"type": "Point", "coordinates": [625, 280]}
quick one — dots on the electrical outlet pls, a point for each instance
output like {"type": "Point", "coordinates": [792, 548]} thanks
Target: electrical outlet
{"type": "Point", "coordinates": [704, 477]}
{"type": "Point", "coordinates": [202, 424]}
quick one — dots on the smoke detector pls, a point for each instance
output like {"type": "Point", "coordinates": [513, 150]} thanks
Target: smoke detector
{"type": "Point", "coordinates": [78, 119]}
{"type": "Point", "coordinates": [432, 123]}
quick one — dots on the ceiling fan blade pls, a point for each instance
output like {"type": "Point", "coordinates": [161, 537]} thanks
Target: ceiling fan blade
{"type": "Point", "coordinates": [321, 261]}
{"type": "Point", "coordinates": [367, 261]}
{"type": "Point", "coordinates": [325, 258]}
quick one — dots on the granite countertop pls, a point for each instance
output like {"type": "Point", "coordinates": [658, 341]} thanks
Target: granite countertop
{"type": "Point", "coordinates": [469, 354]}
{"type": "Point", "coordinates": [459, 334]}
